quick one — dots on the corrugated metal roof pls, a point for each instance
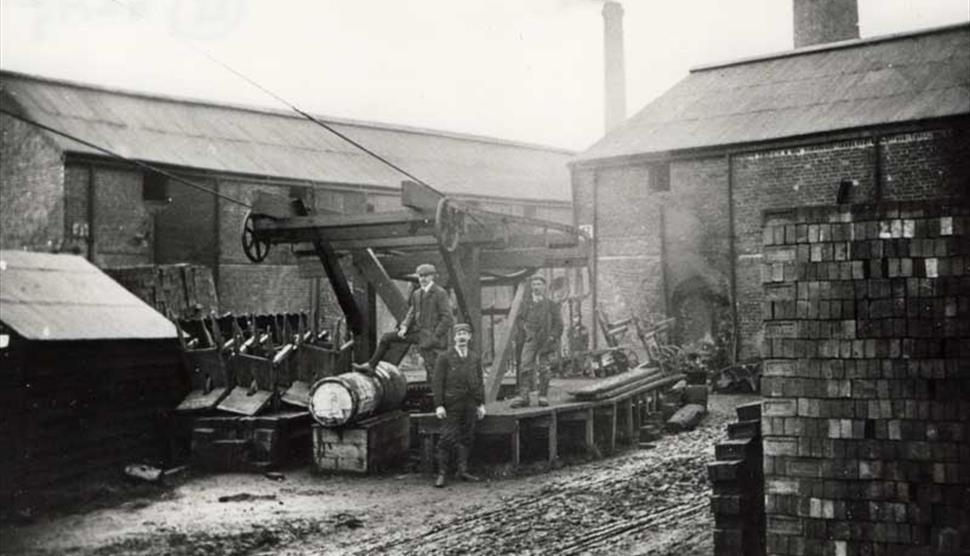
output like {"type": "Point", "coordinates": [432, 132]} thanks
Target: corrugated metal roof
{"type": "Point", "coordinates": [851, 84]}
{"type": "Point", "coordinates": [64, 297]}
{"type": "Point", "coordinates": [275, 143]}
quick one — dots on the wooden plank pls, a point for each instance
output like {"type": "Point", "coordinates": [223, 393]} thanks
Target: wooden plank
{"type": "Point", "coordinates": [628, 421]}
{"type": "Point", "coordinates": [503, 348]}
{"type": "Point", "coordinates": [371, 269]}
{"type": "Point", "coordinates": [454, 265]}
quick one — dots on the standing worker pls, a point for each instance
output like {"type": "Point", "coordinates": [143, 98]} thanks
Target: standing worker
{"type": "Point", "coordinates": [459, 399]}
{"type": "Point", "coordinates": [426, 323]}
{"type": "Point", "coordinates": [541, 324]}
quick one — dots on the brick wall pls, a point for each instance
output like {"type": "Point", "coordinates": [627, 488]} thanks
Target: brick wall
{"type": "Point", "coordinates": [926, 164]}
{"type": "Point", "coordinates": [627, 235]}
{"type": "Point", "coordinates": [31, 189]}
{"type": "Point", "coordinates": [930, 164]}
{"type": "Point", "coordinates": [867, 382]}
{"type": "Point", "coordinates": [123, 229]}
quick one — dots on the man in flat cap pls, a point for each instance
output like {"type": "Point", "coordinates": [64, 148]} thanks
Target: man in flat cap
{"type": "Point", "coordinates": [540, 325]}
{"type": "Point", "coordinates": [426, 323]}
{"type": "Point", "coordinates": [459, 399]}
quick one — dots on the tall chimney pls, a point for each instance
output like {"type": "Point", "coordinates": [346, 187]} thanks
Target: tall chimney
{"type": "Point", "coordinates": [615, 82]}
{"type": "Point", "coordinates": [822, 21]}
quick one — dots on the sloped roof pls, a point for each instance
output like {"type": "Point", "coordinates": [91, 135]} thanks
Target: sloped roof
{"type": "Point", "coordinates": [824, 88]}
{"type": "Point", "coordinates": [64, 297]}
{"type": "Point", "coordinates": [276, 143]}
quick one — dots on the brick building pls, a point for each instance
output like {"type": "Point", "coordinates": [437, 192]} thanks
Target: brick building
{"type": "Point", "coordinates": [58, 195]}
{"type": "Point", "coordinates": [674, 195]}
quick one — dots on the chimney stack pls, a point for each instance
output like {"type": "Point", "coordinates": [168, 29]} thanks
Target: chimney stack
{"type": "Point", "coordinates": [615, 82]}
{"type": "Point", "coordinates": [823, 21]}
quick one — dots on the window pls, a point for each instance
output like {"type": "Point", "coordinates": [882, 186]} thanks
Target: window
{"type": "Point", "coordinates": [659, 176]}
{"type": "Point", "coordinates": [154, 187]}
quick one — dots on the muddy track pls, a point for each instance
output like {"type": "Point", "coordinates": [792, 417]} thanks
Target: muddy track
{"type": "Point", "coordinates": [591, 510]}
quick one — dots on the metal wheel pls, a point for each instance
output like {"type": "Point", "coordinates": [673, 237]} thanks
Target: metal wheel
{"type": "Point", "coordinates": [254, 249]}
{"type": "Point", "coordinates": [447, 225]}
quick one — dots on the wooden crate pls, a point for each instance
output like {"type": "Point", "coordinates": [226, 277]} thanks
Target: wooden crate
{"type": "Point", "coordinates": [373, 444]}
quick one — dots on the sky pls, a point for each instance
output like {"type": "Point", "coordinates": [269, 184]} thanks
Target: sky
{"type": "Point", "coordinates": [526, 70]}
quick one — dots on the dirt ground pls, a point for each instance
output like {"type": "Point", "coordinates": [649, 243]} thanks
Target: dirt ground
{"type": "Point", "coordinates": [640, 501]}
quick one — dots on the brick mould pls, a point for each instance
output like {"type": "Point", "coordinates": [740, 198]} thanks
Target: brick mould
{"type": "Point", "coordinates": [867, 379]}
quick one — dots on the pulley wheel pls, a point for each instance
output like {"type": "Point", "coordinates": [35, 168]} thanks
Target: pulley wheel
{"type": "Point", "coordinates": [254, 249]}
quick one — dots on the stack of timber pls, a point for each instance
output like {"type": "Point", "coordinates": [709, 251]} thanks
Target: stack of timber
{"type": "Point", "coordinates": [641, 378]}
{"type": "Point", "coordinates": [183, 290]}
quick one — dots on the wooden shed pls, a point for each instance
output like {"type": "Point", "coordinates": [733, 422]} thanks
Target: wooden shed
{"type": "Point", "coordinates": [88, 373]}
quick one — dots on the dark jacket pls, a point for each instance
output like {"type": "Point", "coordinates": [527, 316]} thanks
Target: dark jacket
{"type": "Point", "coordinates": [457, 380]}
{"type": "Point", "coordinates": [541, 323]}
{"type": "Point", "coordinates": [429, 316]}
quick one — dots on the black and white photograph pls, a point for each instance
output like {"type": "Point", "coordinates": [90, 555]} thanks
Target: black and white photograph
{"type": "Point", "coordinates": [524, 277]}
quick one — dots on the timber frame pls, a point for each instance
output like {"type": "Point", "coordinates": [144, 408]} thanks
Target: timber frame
{"type": "Point", "coordinates": [470, 247]}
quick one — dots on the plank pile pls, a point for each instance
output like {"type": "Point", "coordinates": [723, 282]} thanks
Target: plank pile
{"type": "Point", "coordinates": [641, 378]}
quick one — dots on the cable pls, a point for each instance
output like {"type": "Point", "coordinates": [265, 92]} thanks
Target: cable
{"type": "Point", "coordinates": [290, 105]}
{"type": "Point", "coordinates": [138, 163]}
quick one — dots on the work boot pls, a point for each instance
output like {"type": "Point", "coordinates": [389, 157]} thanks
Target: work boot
{"type": "Point", "coordinates": [463, 473]}
{"type": "Point", "coordinates": [544, 389]}
{"type": "Point", "coordinates": [519, 401]}
{"type": "Point", "coordinates": [441, 480]}
{"type": "Point", "coordinates": [364, 367]}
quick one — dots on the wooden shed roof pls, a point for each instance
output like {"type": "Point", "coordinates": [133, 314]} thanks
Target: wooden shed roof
{"type": "Point", "coordinates": [826, 88]}
{"type": "Point", "coordinates": [65, 297]}
{"type": "Point", "coordinates": [276, 143]}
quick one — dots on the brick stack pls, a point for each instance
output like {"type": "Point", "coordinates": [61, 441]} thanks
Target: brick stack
{"type": "Point", "coordinates": [866, 420]}
{"type": "Point", "coordinates": [737, 481]}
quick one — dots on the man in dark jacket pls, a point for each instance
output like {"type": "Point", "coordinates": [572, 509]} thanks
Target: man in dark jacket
{"type": "Point", "coordinates": [540, 323]}
{"type": "Point", "coordinates": [426, 323]}
{"type": "Point", "coordinates": [459, 399]}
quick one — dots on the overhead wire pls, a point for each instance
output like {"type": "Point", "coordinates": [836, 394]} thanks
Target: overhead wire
{"type": "Point", "coordinates": [289, 104]}
{"type": "Point", "coordinates": [140, 164]}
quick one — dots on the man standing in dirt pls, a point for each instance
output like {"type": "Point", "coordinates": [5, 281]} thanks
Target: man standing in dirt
{"type": "Point", "coordinates": [426, 323]}
{"type": "Point", "coordinates": [459, 399]}
{"type": "Point", "coordinates": [541, 324]}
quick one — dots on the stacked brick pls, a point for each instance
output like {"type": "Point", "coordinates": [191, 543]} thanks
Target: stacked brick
{"type": "Point", "coordinates": [737, 481]}
{"type": "Point", "coordinates": [866, 421]}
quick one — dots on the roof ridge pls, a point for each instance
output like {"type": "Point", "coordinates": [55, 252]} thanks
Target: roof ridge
{"type": "Point", "coordinates": [850, 43]}
{"type": "Point", "coordinates": [404, 128]}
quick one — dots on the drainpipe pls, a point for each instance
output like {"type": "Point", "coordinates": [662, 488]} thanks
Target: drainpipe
{"type": "Point", "coordinates": [594, 264]}
{"type": "Point", "coordinates": [92, 252]}
{"type": "Point", "coordinates": [734, 260]}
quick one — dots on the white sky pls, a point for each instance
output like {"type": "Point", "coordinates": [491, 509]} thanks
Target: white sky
{"type": "Point", "coordinates": [529, 70]}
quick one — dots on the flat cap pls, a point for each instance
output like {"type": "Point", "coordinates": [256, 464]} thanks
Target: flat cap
{"type": "Point", "coordinates": [538, 277]}
{"type": "Point", "coordinates": [461, 326]}
{"type": "Point", "coordinates": [425, 269]}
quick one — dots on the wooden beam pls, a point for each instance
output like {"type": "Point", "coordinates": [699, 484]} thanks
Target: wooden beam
{"type": "Point", "coordinates": [338, 280]}
{"type": "Point", "coordinates": [419, 197]}
{"type": "Point", "coordinates": [370, 268]}
{"type": "Point", "coordinates": [503, 349]}
{"type": "Point", "coordinates": [458, 284]}
{"type": "Point", "coordinates": [570, 257]}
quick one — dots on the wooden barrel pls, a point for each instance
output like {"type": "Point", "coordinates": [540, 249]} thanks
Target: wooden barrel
{"type": "Point", "coordinates": [393, 384]}
{"type": "Point", "coordinates": [341, 399]}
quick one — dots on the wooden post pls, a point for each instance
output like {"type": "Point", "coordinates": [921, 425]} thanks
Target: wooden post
{"type": "Point", "coordinates": [503, 349]}
{"type": "Point", "coordinates": [553, 437]}
{"type": "Point", "coordinates": [471, 283]}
